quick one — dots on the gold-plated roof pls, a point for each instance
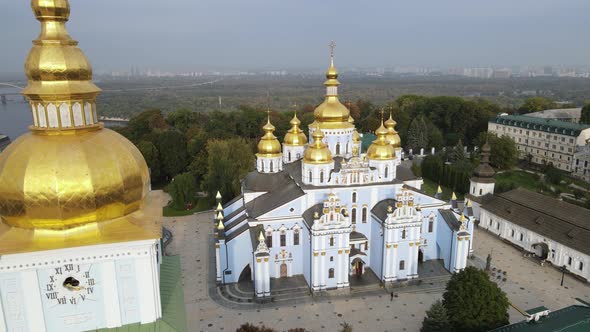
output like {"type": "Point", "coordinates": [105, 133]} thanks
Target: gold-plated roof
{"type": "Point", "coordinates": [356, 137]}
{"type": "Point", "coordinates": [70, 186]}
{"type": "Point", "coordinates": [295, 136]}
{"type": "Point", "coordinates": [56, 68]}
{"type": "Point", "coordinates": [380, 149]}
{"type": "Point", "coordinates": [317, 152]}
{"type": "Point", "coordinates": [269, 145]}
{"type": "Point", "coordinates": [143, 224]}
{"type": "Point", "coordinates": [63, 180]}
{"type": "Point", "coordinates": [331, 114]}
{"type": "Point", "coordinates": [392, 135]}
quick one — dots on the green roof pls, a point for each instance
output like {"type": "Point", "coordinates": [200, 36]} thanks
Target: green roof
{"type": "Point", "coordinates": [366, 141]}
{"type": "Point", "coordinates": [540, 124]}
{"type": "Point", "coordinates": [575, 318]}
{"type": "Point", "coordinates": [536, 310]}
{"type": "Point", "coordinates": [172, 297]}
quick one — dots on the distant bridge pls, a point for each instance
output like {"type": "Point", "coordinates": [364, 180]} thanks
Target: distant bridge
{"type": "Point", "coordinates": [4, 94]}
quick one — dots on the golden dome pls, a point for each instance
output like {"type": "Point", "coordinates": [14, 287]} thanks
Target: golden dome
{"type": "Point", "coordinates": [380, 149]}
{"type": "Point", "coordinates": [55, 65]}
{"type": "Point", "coordinates": [318, 152]}
{"type": "Point", "coordinates": [68, 171]}
{"type": "Point", "coordinates": [392, 135]}
{"type": "Point", "coordinates": [295, 136]}
{"type": "Point", "coordinates": [67, 179]}
{"type": "Point", "coordinates": [331, 113]}
{"type": "Point", "coordinates": [356, 137]}
{"type": "Point", "coordinates": [269, 145]}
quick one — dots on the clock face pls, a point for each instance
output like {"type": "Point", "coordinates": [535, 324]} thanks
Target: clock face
{"type": "Point", "coordinates": [69, 285]}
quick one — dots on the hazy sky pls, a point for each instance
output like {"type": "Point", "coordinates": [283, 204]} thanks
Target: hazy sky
{"type": "Point", "coordinates": [197, 34]}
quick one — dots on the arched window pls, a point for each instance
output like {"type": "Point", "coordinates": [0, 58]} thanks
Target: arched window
{"type": "Point", "coordinates": [403, 233]}
{"type": "Point", "coordinates": [321, 176]}
{"type": "Point", "coordinates": [480, 191]}
{"type": "Point", "coordinates": [271, 166]}
{"type": "Point", "coordinates": [269, 240]}
{"type": "Point", "coordinates": [402, 265]}
{"type": "Point", "coordinates": [353, 215]}
{"type": "Point", "coordinates": [283, 239]}
{"type": "Point", "coordinates": [296, 237]}
{"type": "Point", "coordinates": [473, 191]}
{"type": "Point", "coordinates": [430, 225]}
{"type": "Point", "coordinates": [289, 155]}
{"type": "Point", "coordinates": [337, 148]}
{"type": "Point", "coordinates": [310, 176]}
{"type": "Point", "coordinates": [386, 171]}
{"type": "Point", "coordinates": [331, 273]}
{"type": "Point", "coordinates": [581, 268]}
{"type": "Point", "coordinates": [364, 214]}
{"type": "Point", "coordinates": [354, 197]}
{"type": "Point", "coordinates": [331, 241]}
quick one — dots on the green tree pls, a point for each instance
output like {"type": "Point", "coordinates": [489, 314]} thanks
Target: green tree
{"type": "Point", "coordinates": [536, 104]}
{"type": "Point", "coordinates": [475, 303]}
{"type": "Point", "coordinates": [182, 189]}
{"type": "Point", "coordinates": [145, 124]}
{"type": "Point", "coordinates": [457, 153]}
{"type": "Point", "coordinates": [435, 137]}
{"type": "Point", "coordinates": [173, 156]}
{"type": "Point", "coordinates": [181, 119]}
{"type": "Point", "coordinates": [151, 155]}
{"type": "Point", "coordinates": [585, 114]}
{"type": "Point", "coordinates": [553, 175]}
{"type": "Point", "coordinates": [504, 154]}
{"type": "Point", "coordinates": [436, 319]}
{"type": "Point", "coordinates": [418, 134]}
{"type": "Point", "coordinates": [253, 328]}
{"type": "Point", "coordinates": [228, 162]}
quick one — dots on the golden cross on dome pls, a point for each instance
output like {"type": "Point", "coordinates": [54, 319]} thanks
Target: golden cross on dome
{"type": "Point", "coordinates": [382, 112]}
{"type": "Point", "coordinates": [332, 46]}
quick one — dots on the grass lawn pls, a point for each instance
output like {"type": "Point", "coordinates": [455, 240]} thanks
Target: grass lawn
{"type": "Point", "coordinates": [201, 205]}
{"type": "Point", "coordinates": [430, 188]}
{"type": "Point", "coordinates": [519, 179]}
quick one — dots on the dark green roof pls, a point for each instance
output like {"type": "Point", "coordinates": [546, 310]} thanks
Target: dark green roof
{"type": "Point", "coordinates": [172, 297]}
{"type": "Point", "coordinates": [540, 124]}
{"type": "Point", "coordinates": [575, 318]}
{"type": "Point", "coordinates": [366, 141]}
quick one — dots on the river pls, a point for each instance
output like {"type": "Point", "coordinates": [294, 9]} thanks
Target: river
{"type": "Point", "coordinates": [15, 118]}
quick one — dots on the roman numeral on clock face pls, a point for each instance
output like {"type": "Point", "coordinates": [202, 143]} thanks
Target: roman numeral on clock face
{"type": "Point", "coordinates": [49, 287]}
{"type": "Point", "coordinates": [62, 300]}
{"type": "Point", "coordinates": [51, 296]}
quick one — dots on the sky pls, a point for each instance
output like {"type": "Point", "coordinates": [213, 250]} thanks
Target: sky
{"type": "Point", "coordinates": [179, 35]}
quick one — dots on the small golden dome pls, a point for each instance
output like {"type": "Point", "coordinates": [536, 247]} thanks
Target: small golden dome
{"type": "Point", "coordinates": [269, 145]}
{"type": "Point", "coordinates": [318, 152]}
{"type": "Point", "coordinates": [392, 135]}
{"type": "Point", "coordinates": [67, 179]}
{"type": "Point", "coordinates": [380, 149]}
{"type": "Point", "coordinates": [295, 136]}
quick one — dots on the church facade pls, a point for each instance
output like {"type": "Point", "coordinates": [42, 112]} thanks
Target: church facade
{"type": "Point", "coordinates": [325, 210]}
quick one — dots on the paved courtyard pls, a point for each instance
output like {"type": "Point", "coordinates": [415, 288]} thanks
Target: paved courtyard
{"type": "Point", "coordinates": [527, 284]}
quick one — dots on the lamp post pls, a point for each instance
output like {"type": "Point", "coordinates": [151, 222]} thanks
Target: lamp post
{"type": "Point", "coordinates": [563, 268]}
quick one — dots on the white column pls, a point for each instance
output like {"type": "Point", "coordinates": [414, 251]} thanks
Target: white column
{"type": "Point", "coordinates": [217, 263]}
{"type": "Point", "coordinates": [148, 298]}
{"type": "Point", "coordinates": [32, 299]}
{"type": "Point", "coordinates": [323, 269]}
{"type": "Point", "coordinates": [259, 277]}
{"type": "Point", "coordinates": [393, 264]}
{"type": "Point", "coordinates": [112, 310]}
{"type": "Point", "coordinates": [266, 277]}
{"type": "Point", "coordinates": [3, 327]}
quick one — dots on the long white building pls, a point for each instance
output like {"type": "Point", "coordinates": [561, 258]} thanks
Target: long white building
{"type": "Point", "coordinates": [328, 212]}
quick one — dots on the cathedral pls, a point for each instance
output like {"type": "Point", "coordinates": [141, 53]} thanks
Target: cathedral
{"type": "Point", "coordinates": [326, 210]}
{"type": "Point", "coordinates": [80, 229]}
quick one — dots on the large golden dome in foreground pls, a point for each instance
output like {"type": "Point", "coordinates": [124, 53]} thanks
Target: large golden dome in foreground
{"type": "Point", "coordinates": [331, 114]}
{"type": "Point", "coordinates": [65, 180]}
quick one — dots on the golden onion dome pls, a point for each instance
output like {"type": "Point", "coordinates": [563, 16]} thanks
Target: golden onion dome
{"type": "Point", "coordinates": [269, 145]}
{"type": "Point", "coordinates": [295, 136]}
{"type": "Point", "coordinates": [317, 152]}
{"type": "Point", "coordinates": [356, 137]}
{"type": "Point", "coordinates": [331, 114]}
{"type": "Point", "coordinates": [68, 171]}
{"type": "Point", "coordinates": [380, 149]}
{"type": "Point", "coordinates": [392, 135]}
{"type": "Point", "coordinates": [66, 179]}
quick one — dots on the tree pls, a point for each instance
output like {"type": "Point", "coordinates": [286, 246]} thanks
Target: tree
{"type": "Point", "coordinates": [173, 156]}
{"type": "Point", "coordinates": [182, 189]}
{"type": "Point", "coordinates": [253, 328]}
{"type": "Point", "coordinates": [436, 319]}
{"type": "Point", "coordinates": [228, 161]}
{"type": "Point", "coordinates": [145, 123]}
{"type": "Point", "coordinates": [536, 104]}
{"type": "Point", "coordinates": [457, 153]}
{"type": "Point", "coordinates": [585, 114]}
{"type": "Point", "coordinates": [345, 327]}
{"type": "Point", "coordinates": [504, 154]}
{"type": "Point", "coordinates": [417, 134]}
{"type": "Point", "coordinates": [553, 175]}
{"type": "Point", "coordinates": [474, 303]}
{"type": "Point", "coordinates": [151, 155]}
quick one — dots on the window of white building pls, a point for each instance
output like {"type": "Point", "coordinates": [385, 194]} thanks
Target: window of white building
{"type": "Point", "coordinates": [402, 265]}
{"type": "Point", "coordinates": [296, 237]}
{"type": "Point", "coordinates": [331, 273]}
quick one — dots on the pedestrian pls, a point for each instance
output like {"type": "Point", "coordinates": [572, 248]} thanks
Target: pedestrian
{"type": "Point", "coordinates": [391, 298]}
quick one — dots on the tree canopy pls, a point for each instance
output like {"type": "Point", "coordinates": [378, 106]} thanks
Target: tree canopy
{"type": "Point", "coordinates": [436, 319]}
{"type": "Point", "coordinates": [504, 154]}
{"type": "Point", "coordinates": [585, 114]}
{"type": "Point", "coordinates": [475, 303]}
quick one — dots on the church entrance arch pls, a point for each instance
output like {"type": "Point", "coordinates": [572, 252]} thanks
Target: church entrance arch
{"type": "Point", "coordinates": [246, 274]}
{"type": "Point", "coordinates": [541, 250]}
{"type": "Point", "coordinates": [357, 267]}
{"type": "Point", "coordinates": [283, 270]}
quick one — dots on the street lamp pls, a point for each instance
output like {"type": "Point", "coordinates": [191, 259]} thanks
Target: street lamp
{"type": "Point", "coordinates": [562, 269]}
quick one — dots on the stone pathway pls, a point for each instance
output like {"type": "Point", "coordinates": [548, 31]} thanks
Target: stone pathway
{"type": "Point", "coordinates": [372, 311]}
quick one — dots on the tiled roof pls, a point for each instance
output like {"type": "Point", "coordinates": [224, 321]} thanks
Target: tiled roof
{"type": "Point", "coordinates": [565, 223]}
{"type": "Point", "coordinates": [380, 209]}
{"type": "Point", "coordinates": [575, 318]}
{"type": "Point", "coordinates": [540, 124]}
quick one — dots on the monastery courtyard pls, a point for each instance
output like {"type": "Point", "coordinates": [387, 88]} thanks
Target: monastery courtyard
{"type": "Point", "coordinates": [527, 284]}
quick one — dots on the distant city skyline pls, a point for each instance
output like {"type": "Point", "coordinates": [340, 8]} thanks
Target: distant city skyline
{"type": "Point", "coordinates": [188, 35]}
